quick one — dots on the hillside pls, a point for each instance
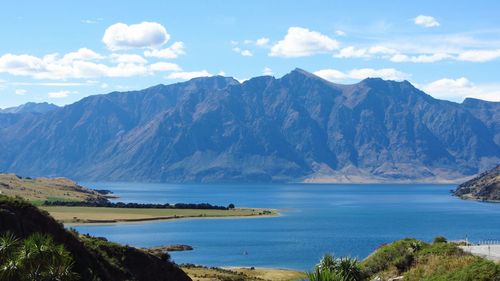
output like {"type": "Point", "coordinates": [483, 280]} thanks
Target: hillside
{"type": "Point", "coordinates": [39, 190]}
{"type": "Point", "coordinates": [414, 260]}
{"type": "Point", "coordinates": [94, 259]}
{"type": "Point", "coordinates": [486, 186]}
{"type": "Point", "coordinates": [295, 128]}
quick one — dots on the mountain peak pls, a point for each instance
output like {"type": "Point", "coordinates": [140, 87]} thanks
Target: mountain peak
{"type": "Point", "coordinates": [300, 71]}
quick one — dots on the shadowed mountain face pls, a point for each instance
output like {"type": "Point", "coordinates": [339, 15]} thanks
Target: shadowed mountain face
{"type": "Point", "coordinates": [298, 127]}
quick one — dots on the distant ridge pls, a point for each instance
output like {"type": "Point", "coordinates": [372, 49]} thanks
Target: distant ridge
{"type": "Point", "coordinates": [34, 107]}
{"type": "Point", "coordinates": [296, 128]}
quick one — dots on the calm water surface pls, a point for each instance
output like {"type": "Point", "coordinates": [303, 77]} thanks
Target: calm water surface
{"type": "Point", "coordinates": [348, 220]}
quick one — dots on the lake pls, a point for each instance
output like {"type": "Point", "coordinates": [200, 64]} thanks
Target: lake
{"type": "Point", "coordinates": [347, 220]}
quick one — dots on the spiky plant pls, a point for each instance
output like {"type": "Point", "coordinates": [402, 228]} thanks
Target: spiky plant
{"type": "Point", "coordinates": [35, 258]}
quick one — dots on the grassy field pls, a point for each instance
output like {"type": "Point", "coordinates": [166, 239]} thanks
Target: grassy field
{"type": "Point", "coordinates": [199, 273]}
{"type": "Point", "coordinates": [44, 189]}
{"type": "Point", "coordinates": [104, 215]}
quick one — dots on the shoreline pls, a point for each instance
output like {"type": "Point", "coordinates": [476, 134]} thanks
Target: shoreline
{"type": "Point", "coordinates": [203, 273]}
{"type": "Point", "coordinates": [87, 215]}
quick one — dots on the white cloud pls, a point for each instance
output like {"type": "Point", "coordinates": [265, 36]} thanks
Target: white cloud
{"type": "Point", "coordinates": [461, 88]}
{"type": "Point", "coordinates": [301, 42]}
{"type": "Point", "coordinates": [335, 75]}
{"type": "Point", "coordinates": [186, 75]}
{"type": "Point", "coordinates": [340, 33]}
{"type": "Point", "coordinates": [81, 64]}
{"type": "Point", "coordinates": [385, 73]}
{"type": "Point", "coordinates": [143, 35]}
{"type": "Point", "coordinates": [20, 64]}
{"type": "Point", "coordinates": [165, 66]}
{"type": "Point", "coordinates": [82, 54]}
{"type": "Point", "coordinates": [21, 92]}
{"type": "Point", "coordinates": [379, 49]}
{"type": "Point", "coordinates": [426, 21]}
{"type": "Point", "coordinates": [245, 53]}
{"type": "Point", "coordinates": [267, 71]}
{"type": "Point", "coordinates": [51, 84]}
{"type": "Point", "coordinates": [479, 55]}
{"type": "Point", "coordinates": [171, 52]}
{"type": "Point", "coordinates": [331, 74]}
{"type": "Point", "coordinates": [352, 52]}
{"type": "Point", "coordinates": [128, 58]}
{"type": "Point", "coordinates": [59, 94]}
{"type": "Point", "coordinates": [373, 51]}
{"type": "Point", "coordinates": [262, 41]}
{"type": "Point", "coordinates": [91, 21]}
{"type": "Point", "coordinates": [421, 58]}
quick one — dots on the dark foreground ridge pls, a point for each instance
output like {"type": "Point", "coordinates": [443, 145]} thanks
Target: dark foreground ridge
{"type": "Point", "coordinates": [485, 187]}
{"type": "Point", "coordinates": [295, 128]}
{"type": "Point", "coordinates": [94, 258]}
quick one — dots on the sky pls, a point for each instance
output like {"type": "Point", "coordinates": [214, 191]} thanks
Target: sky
{"type": "Point", "coordinates": [62, 51]}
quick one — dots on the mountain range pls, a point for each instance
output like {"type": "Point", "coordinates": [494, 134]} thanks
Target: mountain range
{"type": "Point", "coordinates": [295, 128]}
{"type": "Point", "coordinates": [41, 107]}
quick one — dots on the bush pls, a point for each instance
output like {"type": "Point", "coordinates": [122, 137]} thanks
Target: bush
{"type": "Point", "coordinates": [398, 256]}
{"type": "Point", "coordinates": [439, 239]}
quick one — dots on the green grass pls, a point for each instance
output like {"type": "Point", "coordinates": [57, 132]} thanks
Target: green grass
{"type": "Point", "coordinates": [419, 261]}
{"type": "Point", "coordinates": [102, 214]}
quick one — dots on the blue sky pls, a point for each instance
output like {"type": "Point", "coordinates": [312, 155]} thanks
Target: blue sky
{"type": "Point", "coordinates": [62, 51]}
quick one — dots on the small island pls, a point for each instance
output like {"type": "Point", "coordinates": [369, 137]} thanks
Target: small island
{"type": "Point", "coordinates": [485, 187]}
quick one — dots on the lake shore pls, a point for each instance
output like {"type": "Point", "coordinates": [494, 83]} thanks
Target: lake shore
{"type": "Point", "coordinates": [202, 273]}
{"type": "Point", "coordinates": [104, 215]}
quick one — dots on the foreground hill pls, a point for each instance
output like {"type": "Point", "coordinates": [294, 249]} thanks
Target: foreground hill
{"type": "Point", "coordinates": [295, 128]}
{"type": "Point", "coordinates": [94, 259]}
{"type": "Point", "coordinates": [486, 186]}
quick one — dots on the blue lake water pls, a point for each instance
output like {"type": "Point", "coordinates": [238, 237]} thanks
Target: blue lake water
{"type": "Point", "coordinates": [347, 220]}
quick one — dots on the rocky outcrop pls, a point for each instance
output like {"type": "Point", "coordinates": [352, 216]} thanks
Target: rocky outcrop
{"type": "Point", "coordinates": [484, 187]}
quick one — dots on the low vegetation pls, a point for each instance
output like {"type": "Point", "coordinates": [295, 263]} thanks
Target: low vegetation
{"type": "Point", "coordinates": [410, 260]}
{"type": "Point", "coordinates": [110, 215]}
{"type": "Point", "coordinates": [202, 273]}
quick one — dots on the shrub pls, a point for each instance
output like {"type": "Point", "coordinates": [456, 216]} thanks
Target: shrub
{"type": "Point", "coordinates": [439, 239]}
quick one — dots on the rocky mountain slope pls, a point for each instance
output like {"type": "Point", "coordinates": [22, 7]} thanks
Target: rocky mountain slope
{"type": "Point", "coordinates": [486, 186]}
{"type": "Point", "coordinates": [295, 128]}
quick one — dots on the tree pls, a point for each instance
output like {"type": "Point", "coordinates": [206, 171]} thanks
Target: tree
{"type": "Point", "coordinates": [231, 206]}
